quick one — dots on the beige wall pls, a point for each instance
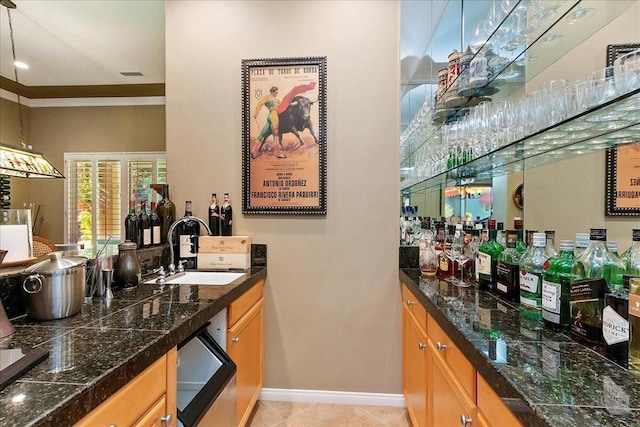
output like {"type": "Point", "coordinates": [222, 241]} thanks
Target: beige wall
{"type": "Point", "coordinates": [570, 195]}
{"type": "Point", "coordinates": [332, 312]}
{"type": "Point", "coordinates": [56, 130]}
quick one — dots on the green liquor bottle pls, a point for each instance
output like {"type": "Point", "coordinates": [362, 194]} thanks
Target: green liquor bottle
{"type": "Point", "coordinates": [556, 280]}
{"type": "Point", "coordinates": [631, 258]}
{"type": "Point", "coordinates": [508, 269]}
{"type": "Point", "coordinates": [531, 278]}
{"type": "Point", "coordinates": [595, 272]}
{"type": "Point", "coordinates": [521, 246]}
{"type": "Point", "coordinates": [487, 259]}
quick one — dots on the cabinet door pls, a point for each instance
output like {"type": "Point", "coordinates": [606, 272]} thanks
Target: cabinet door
{"type": "Point", "coordinates": [414, 369]}
{"type": "Point", "coordinates": [156, 416]}
{"type": "Point", "coordinates": [450, 402]}
{"type": "Point", "coordinates": [245, 347]}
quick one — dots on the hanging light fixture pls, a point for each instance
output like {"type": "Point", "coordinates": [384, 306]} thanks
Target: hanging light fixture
{"type": "Point", "coordinates": [22, 162]}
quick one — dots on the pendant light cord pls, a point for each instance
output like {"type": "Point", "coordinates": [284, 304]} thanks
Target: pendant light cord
{"type": "Point", "coordinates": [15, 71]}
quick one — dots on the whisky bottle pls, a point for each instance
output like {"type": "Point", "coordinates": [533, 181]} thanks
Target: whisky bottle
{"type": "Point", "coordinates": [531, 278]}
{"type": "Point", "coordinates": [508, 269]}
{"type": "Point", "coordinates": [487, 259]}
{"type": "Point", "coordinates": [556, 280]}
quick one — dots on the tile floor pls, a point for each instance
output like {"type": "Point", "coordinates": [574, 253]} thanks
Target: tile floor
{"type": "Point", "coordinates": [298, 414]}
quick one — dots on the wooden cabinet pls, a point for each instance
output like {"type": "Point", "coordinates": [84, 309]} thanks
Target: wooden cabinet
{"type": "Point", "coordinates": [450, 402]}
{"type": "Point", "coordinates": [147, 400]}
{"type": "Point", "coordinates": [415, 368]}
{"type": "Point", "coordinates": [440, 385]}
{"type": "Point", "coordinates": [245, 342]}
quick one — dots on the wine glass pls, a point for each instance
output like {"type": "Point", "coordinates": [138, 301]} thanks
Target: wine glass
{"type": "Point", "coordinates": [580, 13]}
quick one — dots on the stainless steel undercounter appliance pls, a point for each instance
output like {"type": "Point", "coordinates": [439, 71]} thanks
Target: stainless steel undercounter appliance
{"type": "Point", "coordinates": [207, 393]}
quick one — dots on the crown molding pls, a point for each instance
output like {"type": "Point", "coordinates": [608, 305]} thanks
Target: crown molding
{"type": "Point", "coordinates": [84, 102]}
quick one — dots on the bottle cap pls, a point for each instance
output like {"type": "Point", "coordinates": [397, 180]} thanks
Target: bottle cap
{"type": "Point", "coordinates": [550, 233]}
{"type": "Point", "coordinates": [582, 240]}
{"type": "Point", "coordinates": [636, 235]}
{"type": "Point", "coordinates": [539, 240]}
{"type": "Point", "coordinates": [517, 222]}
{"type": "Point", "coordinates": [598, 234]}
{"type": "Point", "coordinates": [501, 226]}
{"type": "Point", "coordinates": [566, 245]}
{"type": "Point", "coordinates": [512, 237]}
{"type": "Point", "coordinates": [491, 224]}
{"type": "Point", "coordinates": [458, 226]}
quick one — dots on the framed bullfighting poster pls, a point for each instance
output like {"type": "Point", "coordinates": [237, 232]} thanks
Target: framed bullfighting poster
{"type": "Point", "coordinates": [284, 138]}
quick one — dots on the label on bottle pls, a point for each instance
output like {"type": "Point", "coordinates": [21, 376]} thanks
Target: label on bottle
{"type": "Point", "coordinates": [529, 281]}
{"type": "Point", "coordinates": [484, 264]}
{"type": "Point", "coordinates": [586, 306]}
{"type": "Point", "coordinates": [507, 278]}
{"type": "Point", "coordinates": [186, 246]}
{"type": "Point", "coordinates": [615, 328]}
{"type": "Point", "coordinates": [156, 234]}
{"type": "Point", "coordinates": [444, 263]}
{"type": "Point", "coordinates": [634, 305]}
{"type": "Point", "coordinates": [146, 236]}
{"type": "Point", "coordinates": [551, 293]}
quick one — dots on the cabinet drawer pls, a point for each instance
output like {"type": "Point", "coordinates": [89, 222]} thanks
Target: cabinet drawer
{"type": "Point", "coordinates": [415, 307]}
{"type": "Point", "coordinates": [239, 307]}
{"type": "Point", "coordinates": [448, 353]}
{"type": "Point", "coordinates": [153, 418]}
{"type": "Point", "coordinates": [133, 400]}
{"type": "Point", "coordinates": [492, 408]}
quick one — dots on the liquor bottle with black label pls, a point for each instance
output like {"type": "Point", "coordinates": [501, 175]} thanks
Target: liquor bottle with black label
{"type": "Point", "coordinates": [595, 272]}
{"type": "Point", "coordinates": [531, 278]}
{"type": "Point", "coordinates": [156, 234]}
{"type": "Point", "coordinates": [556, 281]}
{"type": "Point", "coordinates": [188, 232]}
{"type": "Point", "coordinates": [508, 269]}
{"type": "Point", "coordinates": [145, 226]}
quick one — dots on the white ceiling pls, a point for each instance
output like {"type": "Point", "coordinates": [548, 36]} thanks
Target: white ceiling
{"type": "Point", "coordinates": [79, 42]}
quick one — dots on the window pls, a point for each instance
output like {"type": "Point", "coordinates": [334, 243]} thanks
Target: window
{"type": "Point", "coordinates": [102, 187]}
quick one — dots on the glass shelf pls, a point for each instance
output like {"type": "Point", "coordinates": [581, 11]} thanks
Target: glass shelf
{"type": "Point", "coordinates": [542, 47]}
{"type": "Point", "coordinates": [597, 130]}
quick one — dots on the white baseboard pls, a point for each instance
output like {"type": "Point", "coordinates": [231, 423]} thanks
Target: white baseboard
{"type": "Point", "coordinates": [333, 397]}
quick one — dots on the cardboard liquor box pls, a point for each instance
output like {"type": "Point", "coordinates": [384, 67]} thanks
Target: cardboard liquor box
{"type": "Point", "coordinates": [224, 261]}
{"type": "Point", "coordinates": [224, 244]}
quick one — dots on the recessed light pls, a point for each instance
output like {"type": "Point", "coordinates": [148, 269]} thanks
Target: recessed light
{"type": "Point", "coordinates": [21, 64]}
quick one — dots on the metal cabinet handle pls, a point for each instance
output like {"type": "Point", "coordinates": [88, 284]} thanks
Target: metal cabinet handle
{"type": "Point", "coordinates": [409, 303]}
{"type": "Point", "coordinates": [236, 340]}
{"type": "Point", "coordinates": [421, 346]}
{"type": "Point", "coordinates": [441, 346]}
{"type": "Point", "coordinates": [166, 420]}
{"type": "Point", "coordinates": [112, 425]}
{"type": "Point", "coordinates": [464, 421]}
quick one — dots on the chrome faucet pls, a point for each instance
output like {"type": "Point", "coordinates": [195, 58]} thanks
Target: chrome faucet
{"type": "Point", "coordinates": [172, 266]}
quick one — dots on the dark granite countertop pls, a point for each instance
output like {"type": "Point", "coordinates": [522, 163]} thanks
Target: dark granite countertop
{"type": "Point", "coordinates": [543, 376]}
{"type": "Point", "coordinates": [97, 351]}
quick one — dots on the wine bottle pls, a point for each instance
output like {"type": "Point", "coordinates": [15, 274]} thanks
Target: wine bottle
{"type": "Point", "coordinates": [188, 232]}
{"type": "Point", "coordinates": [166, 212]}
{"type": "Point", "coordinates": [145, 226]}
{"type": "Point", "coordinates": [226, 217]}
{"type": "Point", "coordinates": [556, 281]}
{"type": "Point", "coordinates": [156, 234]}
{"type": "Point", "coordinates": [531, 278]}
{"type": "Point", "coordinates": [132, 226]}
{"type": "Point", "coordinates": [214, 216]}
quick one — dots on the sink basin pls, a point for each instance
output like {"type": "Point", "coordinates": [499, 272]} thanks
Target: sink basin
{"type": "Point", "coordinates": [214, 278]}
